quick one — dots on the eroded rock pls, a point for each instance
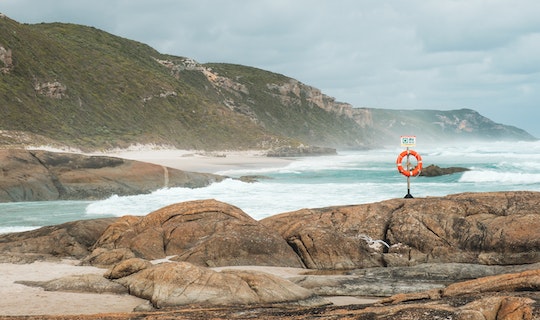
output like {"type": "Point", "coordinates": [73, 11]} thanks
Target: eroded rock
{"type": "Point", "coordinates": [127, 267]}
{"type": "Point", "coordinates": [495, 228]}
{"type": "Point", "coordinates": [94, 283]}
{"type": "Point", "coordinates": [70, 239]}
{"type": "Point", "coordinates": [181, 283]}
{"type": "Point", "coordinates": [42, 175]}
{"type": "Point", "coordinates": [498, 306]}
{"type": "Point", "coordinates": [204, 232]}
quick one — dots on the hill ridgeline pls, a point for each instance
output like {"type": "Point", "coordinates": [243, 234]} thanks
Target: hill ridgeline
{"type": "Point", "coordinates": [77, 86]}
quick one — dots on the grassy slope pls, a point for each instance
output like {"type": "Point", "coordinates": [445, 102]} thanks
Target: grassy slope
{"type": "Point", "coordinates": [118, 94]}
{"type": "Point", "coordinates": [107, 80]}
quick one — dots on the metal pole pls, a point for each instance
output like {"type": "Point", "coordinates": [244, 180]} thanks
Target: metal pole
{"type": "Point", "coordinates": [408, 195]}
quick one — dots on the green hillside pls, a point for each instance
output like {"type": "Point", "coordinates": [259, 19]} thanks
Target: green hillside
{"type": "Point", "coordinates": [79, 86]}
{"type": "Point", "coordinates": [116, 93]}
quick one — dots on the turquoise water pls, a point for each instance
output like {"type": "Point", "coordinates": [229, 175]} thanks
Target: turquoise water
{"type": "Point", "coordinates": [343, 179]}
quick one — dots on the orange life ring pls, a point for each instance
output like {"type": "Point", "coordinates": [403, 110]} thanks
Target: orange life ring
{"type": "Point", "coordinates": [413, 172]}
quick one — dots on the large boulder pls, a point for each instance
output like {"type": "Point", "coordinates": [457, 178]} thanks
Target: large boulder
{"type": "Point", "coordinates": [42, 175]}
{"type": "Point", "coordinates": [181, 283]}
{"type": "Point", "coordinates": [486, 228]}
{"type": "Point", "coordinates": [203, 232]}
{"type": "Point", "coordinates": [337, 237]}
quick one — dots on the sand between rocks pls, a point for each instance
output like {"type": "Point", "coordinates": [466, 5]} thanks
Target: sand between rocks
{"type": "Point", "coordinates": [18, 299]}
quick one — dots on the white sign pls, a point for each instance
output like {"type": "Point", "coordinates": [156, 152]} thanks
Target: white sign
{"type": "Point", "coordinates": [408, 141]}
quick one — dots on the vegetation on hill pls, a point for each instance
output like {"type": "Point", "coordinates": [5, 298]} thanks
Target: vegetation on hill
{"type": "Point", "coordinates": [80, 86]}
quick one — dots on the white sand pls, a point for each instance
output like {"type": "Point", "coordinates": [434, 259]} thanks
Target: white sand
{"type": "Point", "coordinates": [210, 162]}
{"type": "Point", "coordinates": [187, 160]}
{"type": "Point", "coordinates": [18, 299]}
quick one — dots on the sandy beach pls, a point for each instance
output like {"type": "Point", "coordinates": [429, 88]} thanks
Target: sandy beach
{"type": "Point", "coordinates": [19, 299]}
{"type": "Point", "coordinates": [210, 162]}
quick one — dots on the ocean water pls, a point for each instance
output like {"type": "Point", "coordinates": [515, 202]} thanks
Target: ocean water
{"type": "Point", "coordinates": [350, 177]}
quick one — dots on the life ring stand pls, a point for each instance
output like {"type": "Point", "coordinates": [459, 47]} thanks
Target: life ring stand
{"type": "Point", "coordinates": [414, 172]}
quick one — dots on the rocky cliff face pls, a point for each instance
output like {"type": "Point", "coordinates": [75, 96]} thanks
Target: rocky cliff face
{"type": "Point", "coordinates": [6, 59]}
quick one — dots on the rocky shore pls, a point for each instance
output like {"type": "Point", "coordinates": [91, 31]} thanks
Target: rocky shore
{"type": "Point", "coordinates": [464, 256]}
{"type": "Point", "coordinates": [36, 175]}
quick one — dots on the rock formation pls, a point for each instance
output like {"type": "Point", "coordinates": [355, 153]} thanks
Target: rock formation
{"type": "Point", "coordinates": [181, 283]}
{"type": "Point", "coordinates": [484, 228]}
{"type": "Point", "coordinates": [6, 59]}
{"type": "Point", "coordinates": [70, 239]}
{"type": "Point", "coordinates": [499, 228]}
{"type": "Point", "coordinates": [43, 175]}
{"type": "Point", "coordinates": [435, 171]}
{"type": "Point", "coordinates": [464, 256]}
{"type": "Point", "coordinates": [80, 283]}
{"type": "Point", "coordinates": [204, 232]}
{"type": "Point", "coordinates": [184, 291]}
{"type": "Point", "coordinates": [55, 90]}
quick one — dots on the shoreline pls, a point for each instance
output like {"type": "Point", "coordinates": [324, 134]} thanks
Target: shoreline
{"type": "Point", "coordinates": [187, 160]}
{"type": "Point", "coordinates": [22, 300]}
{"type": "Point", "coordinates": [200, 161]}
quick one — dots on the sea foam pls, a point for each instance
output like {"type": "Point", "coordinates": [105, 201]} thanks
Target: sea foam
{"type": "Point", "coordinates": [348, 178]}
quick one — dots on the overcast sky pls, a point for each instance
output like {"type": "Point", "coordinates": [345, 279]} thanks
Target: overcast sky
{"type": "Point", "coordinates": [401, 54]}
